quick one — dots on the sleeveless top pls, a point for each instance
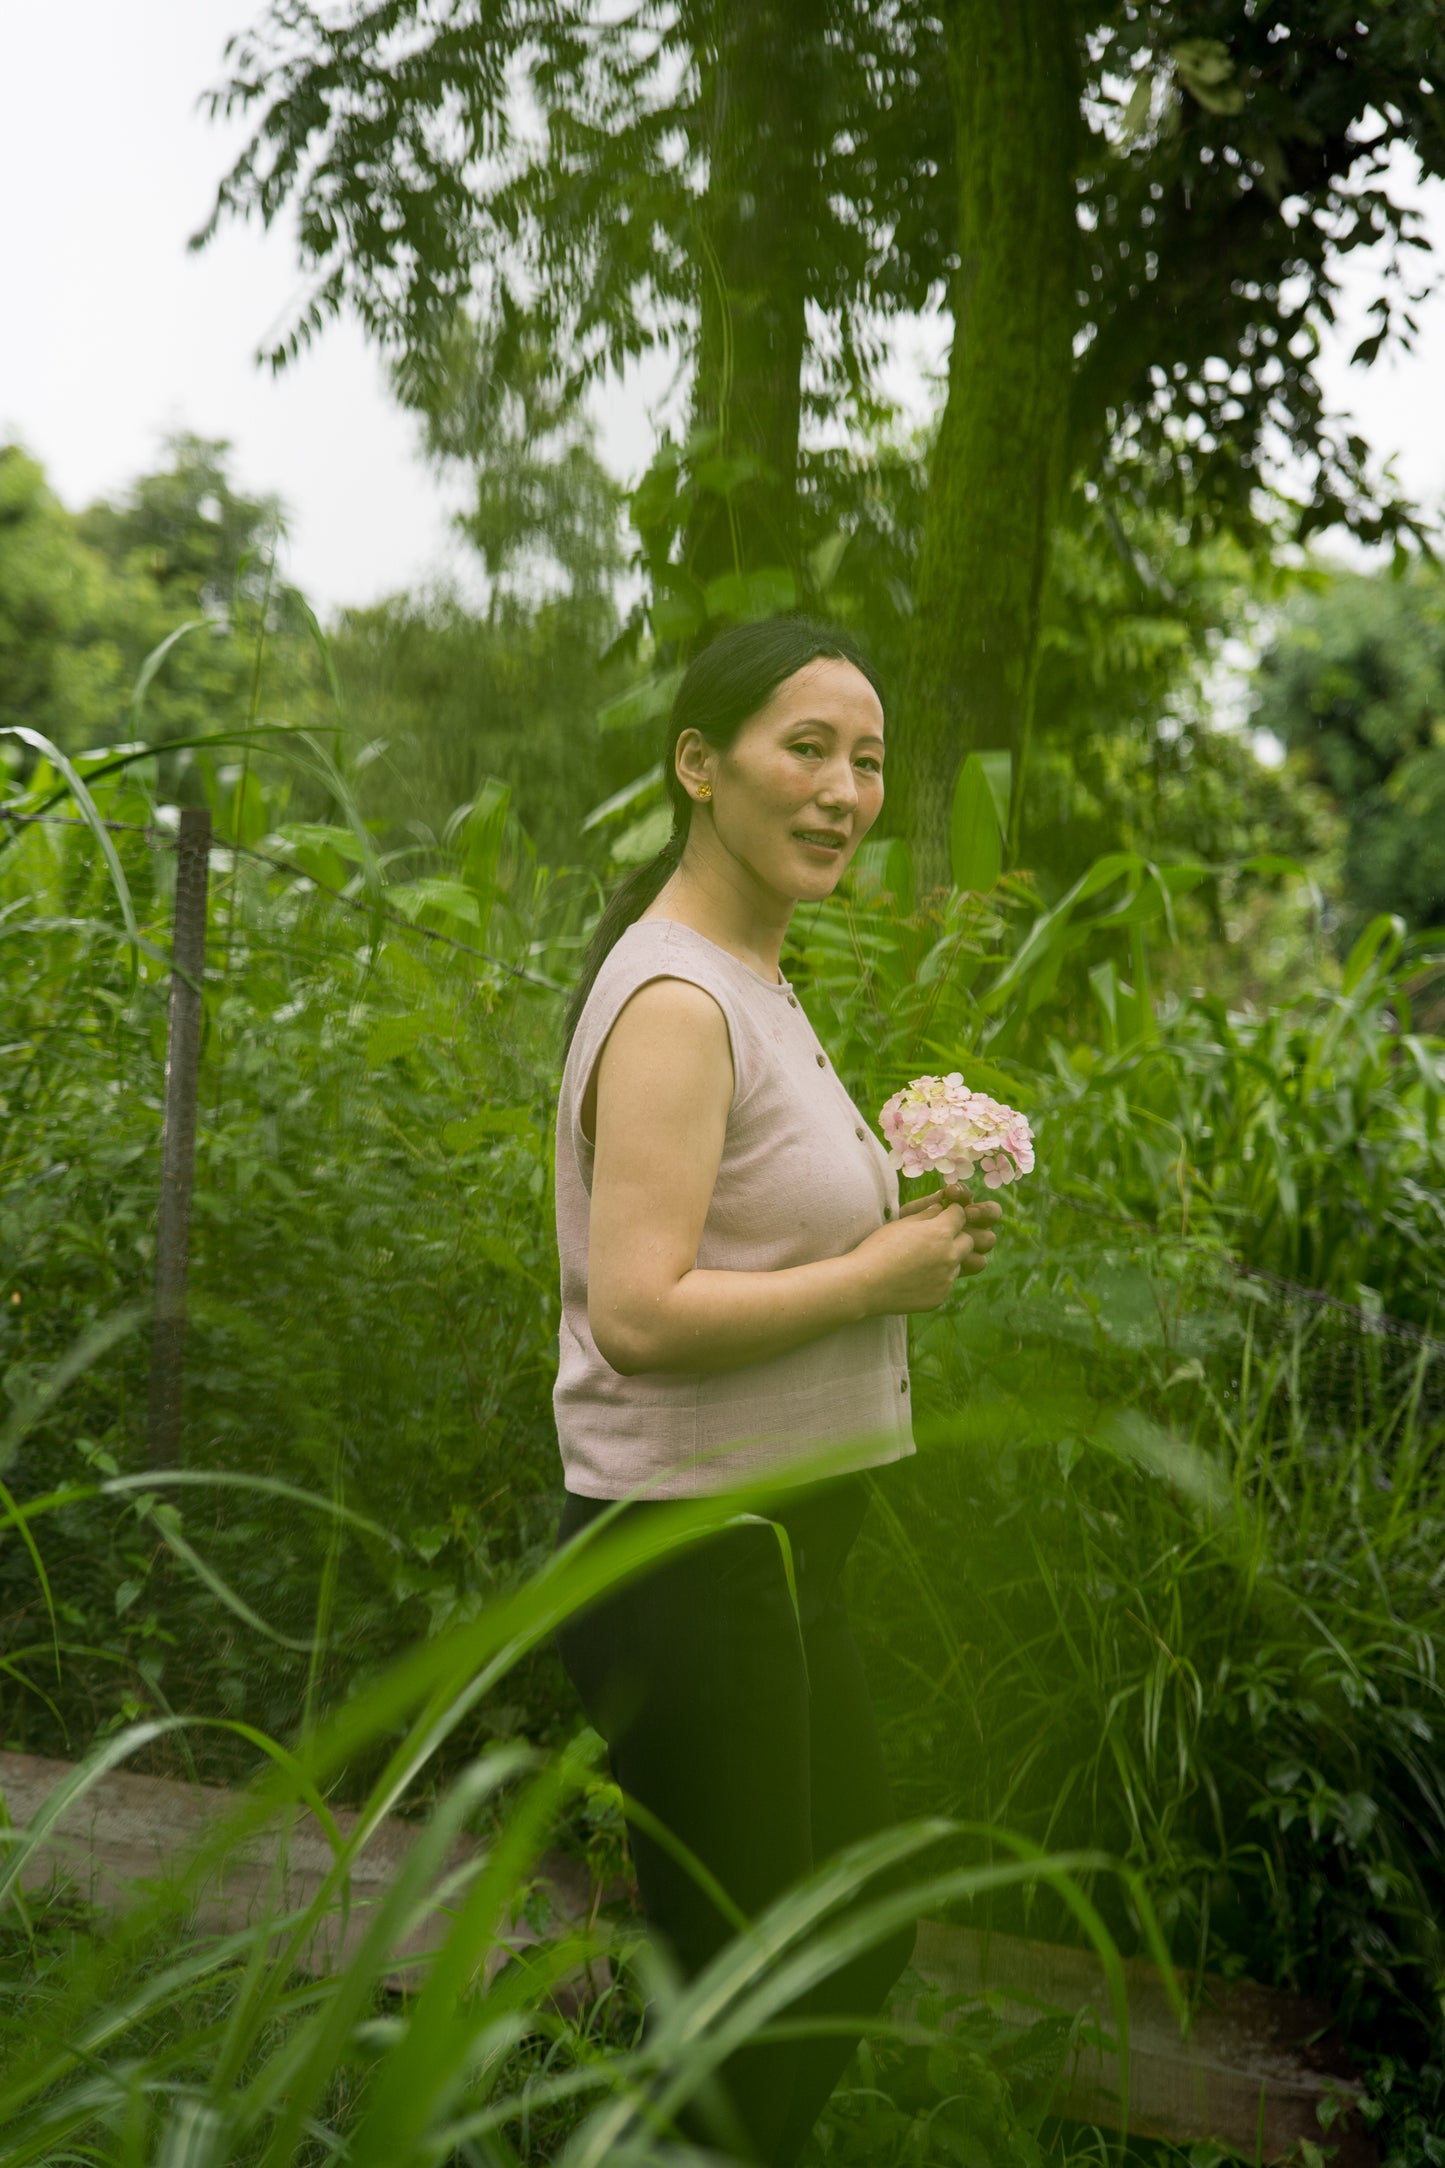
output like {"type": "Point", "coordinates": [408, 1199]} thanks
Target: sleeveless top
{"type": "Point", "coordinates": [803, 1177]}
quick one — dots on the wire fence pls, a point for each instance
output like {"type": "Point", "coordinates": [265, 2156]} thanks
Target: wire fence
{"type": "Point", "coordinates": [163, 839]}
{"type": "Point", "coordinates": [1348, 1364]}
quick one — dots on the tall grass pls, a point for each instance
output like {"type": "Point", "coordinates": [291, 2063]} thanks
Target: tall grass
{"type": "Point", "coordinates": [1136, 1603]}
{"type": "Point", "coordinates": [372, 1261]}
{"type": "Point", "coordinates": [1207, 1636]}
{"type": "Point", "coordinates": [222, 2051]}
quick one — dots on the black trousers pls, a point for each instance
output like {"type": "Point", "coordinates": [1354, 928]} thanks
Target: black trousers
{"type": "Point", "coordinates": [755, 1745]}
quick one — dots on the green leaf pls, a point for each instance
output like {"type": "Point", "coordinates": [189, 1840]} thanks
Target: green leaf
{"type": "Point", "coordinates": [676, 614]}
{"type": "Point", "coordinates": [321, 836]}
{"type": "Point", "coordinates": [644, 703]}
{"type": "Point", "coordinates": [502, 1254]}
{"type": "Point", "coordinates": [249, 819]}
{"type": "Point", "coordinates": [631, 795]}
{"type": "Point", "coordinates": [825, 560]}
{"type": "Point", "coordinates": [393, 1035]}
{"type": "Point", "coordinates": [999, 769]}
{"type": "Point", "coordinates": [727, 471]}
{"type": "Point", "coordinates": [462, 1136]}
{"type": "Point", "coordinates": [1265, 862]}
{"type": "Point", "coordinates": [451, 898]}
{"type": "Point", "coordinates": [644, 839]}
{"type": "Point", "coordinates": [885, 866]}
{"type": "Point", "coordinates": [1136, 112]}
{"type": "Point", "coordinates": [1387, 932]}
{"type": "Point", "coordinates": [749, 596]}
{"type": "Point", "coordinates": [1104, 981]}
{"type": "Point", "coordinates": [154, 660]}
{"type": "Point", "coordinates": [975, 841]}
{"type": "Point", "coordinates": [1205, 68]}
{"type": "Point", "coordinates": [986, 1076]}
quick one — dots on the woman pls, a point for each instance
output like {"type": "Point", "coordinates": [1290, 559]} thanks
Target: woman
{"type": "Point", "coordinates": [736, 1274]}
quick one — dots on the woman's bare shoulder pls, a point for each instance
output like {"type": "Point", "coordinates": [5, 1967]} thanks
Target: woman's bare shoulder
{"type": "Point", "coordinates": [675, 1014]}
{"type": "Point", "coordinates": [670, 1039]}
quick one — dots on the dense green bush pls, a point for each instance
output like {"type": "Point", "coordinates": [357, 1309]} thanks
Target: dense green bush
{"type": "Point", "coordinates": [1136, 1595]}
{"type": "Point", "coordinates": [373, 1274]}
{"type": "Point", "coordinates": [1353, 682]}
{"type": "Point", "coordinates": [1202, 1636]}
{"type": "Point", "coordinates": [1306, 1139]}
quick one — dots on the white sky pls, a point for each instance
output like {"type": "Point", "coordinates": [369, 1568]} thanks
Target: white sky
{"type": "Point", "coordinates": [112, 334]}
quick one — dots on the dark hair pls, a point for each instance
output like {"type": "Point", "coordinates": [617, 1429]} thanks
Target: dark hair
{"type": "Point", "coordinates": [722, 688]}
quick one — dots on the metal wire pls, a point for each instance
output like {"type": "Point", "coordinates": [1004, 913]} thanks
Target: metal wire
{"type": "Point", "coordinates": [1377, 1325]}
{"type": "Point", "coordinates": [162, 839]}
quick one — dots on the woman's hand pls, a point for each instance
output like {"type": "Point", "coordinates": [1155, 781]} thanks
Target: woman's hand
{"type": "Point", "coordinates": [912, 1263]}
{"type": "Point", "coordinates": [979, 1219]}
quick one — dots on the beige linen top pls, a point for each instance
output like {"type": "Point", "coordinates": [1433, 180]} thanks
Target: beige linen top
{"type": "Point", "coordinates": [803, 1177]}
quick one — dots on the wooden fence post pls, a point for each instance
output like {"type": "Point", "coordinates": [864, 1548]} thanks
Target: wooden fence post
{"type": "Point", "coordinates": [178, 1135]}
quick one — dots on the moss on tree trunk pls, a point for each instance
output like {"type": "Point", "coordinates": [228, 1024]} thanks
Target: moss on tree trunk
{"type": "Point", "coordinates": [763, 77]}
{"type": "Point", "coordinates": [997, 477]}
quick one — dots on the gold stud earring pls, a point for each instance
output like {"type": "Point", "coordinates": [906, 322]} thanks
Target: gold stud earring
{"type": "Point", "coordinates": [704, 790]}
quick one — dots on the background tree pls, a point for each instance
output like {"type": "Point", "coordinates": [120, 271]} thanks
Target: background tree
{"type": "Point", "coordinates": [57, 672]}
{"type": "Point", "coordinates": [1138, 299]}
{"type": "Point", "coordinates": [998, 473]}
{"type": "Point", "coordinates": [86, 597]}
{"type": "Point", "coordinates": [1354, 683]}
{"type": "Point", "coordinates": [698, 178]}
{"type": "Point", "coordinates": [1153, 201]}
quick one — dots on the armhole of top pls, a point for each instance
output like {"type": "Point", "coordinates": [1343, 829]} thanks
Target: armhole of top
{"type": "Point", "coordinates": [584, 1077]}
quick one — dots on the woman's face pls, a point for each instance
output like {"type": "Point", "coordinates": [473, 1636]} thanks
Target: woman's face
{"type": "Point", "coordinates": [801, 784]}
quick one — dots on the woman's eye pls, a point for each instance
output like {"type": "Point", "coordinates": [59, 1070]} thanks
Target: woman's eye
{"type": "Point", "coordinates": [803, 747]}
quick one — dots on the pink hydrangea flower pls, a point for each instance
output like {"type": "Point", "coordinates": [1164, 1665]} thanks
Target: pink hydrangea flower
{"type": "Point", "coordinates": [936, 1125]}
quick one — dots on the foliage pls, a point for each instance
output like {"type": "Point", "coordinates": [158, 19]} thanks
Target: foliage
{"type": "Point", "coordinates": [137, 2050]}
{"type": "Point", "coordinates": [1193, 1628]}
{"type": "Point", "coordinates": [1307, 1140]}
{"type": "Point", "coordinates": [55, 673]}
{"type": "Point", "coordinates": [433, 697]}
{"type": "Point", "coordinates": [1230, 159]}
{"type": "Point", "coordinates": [545, 511]}
{"type": "Point", "coordinates": [1210, 1645]}
{"type": "Point", "coordinates": [87, 597]}
{"type": "Point", "coordinates": [1353, 681]}
{"type": "Point", "coordinates": [1135, 213]}
{"type": "Point", "coordinates": [436, 699]}
{"type": "Point", "coordinates": [372, 1256]}
{"type": "Point", "coordinates": [1128, 754]}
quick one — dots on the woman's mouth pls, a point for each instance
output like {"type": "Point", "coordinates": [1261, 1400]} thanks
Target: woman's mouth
{"type": "Point", "coordinates": [828, 843]}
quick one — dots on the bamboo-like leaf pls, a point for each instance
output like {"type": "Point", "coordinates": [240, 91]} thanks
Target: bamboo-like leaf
{"type": "Point", "coordinates": [96, 1340]}
{"type": "Point", "coordinates": [86, 807]}
{"type": "Point", "coordinates": [146, 674]}
{"type": "Point", "coordinates": [642, 788]}
{"type": "Point", "coordinates": [1381, 941]}
{"type": "Point", "coordinates": [975, 837]}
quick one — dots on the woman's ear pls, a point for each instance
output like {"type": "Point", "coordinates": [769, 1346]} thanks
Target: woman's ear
{"type": "Point", "coordinates": [694, 760]}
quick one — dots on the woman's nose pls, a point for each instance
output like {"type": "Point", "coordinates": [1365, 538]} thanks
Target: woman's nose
{"type": "Point", "coordinates": [838, 786]}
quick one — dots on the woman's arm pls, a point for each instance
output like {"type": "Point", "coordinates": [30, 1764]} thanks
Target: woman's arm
{"type": "Point", "coordinates": [664, 1090]}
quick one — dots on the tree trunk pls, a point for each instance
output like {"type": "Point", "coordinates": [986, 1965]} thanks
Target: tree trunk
{"type": "Point", "coordinates": [997, 478]}
{"type": "Point", "coordinates": [763, 65]}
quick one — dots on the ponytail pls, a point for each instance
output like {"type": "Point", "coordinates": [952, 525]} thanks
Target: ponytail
{"type": "Point", "coordinates": [722, 688]}
{"type": "Point", "coordinates": [624, 907]}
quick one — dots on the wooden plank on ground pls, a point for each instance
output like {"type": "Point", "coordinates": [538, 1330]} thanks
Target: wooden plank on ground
{"type": "Point", "coordinates": [128, 1831]}
{"type": "Point", "coordinates": [1253, 2073]}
